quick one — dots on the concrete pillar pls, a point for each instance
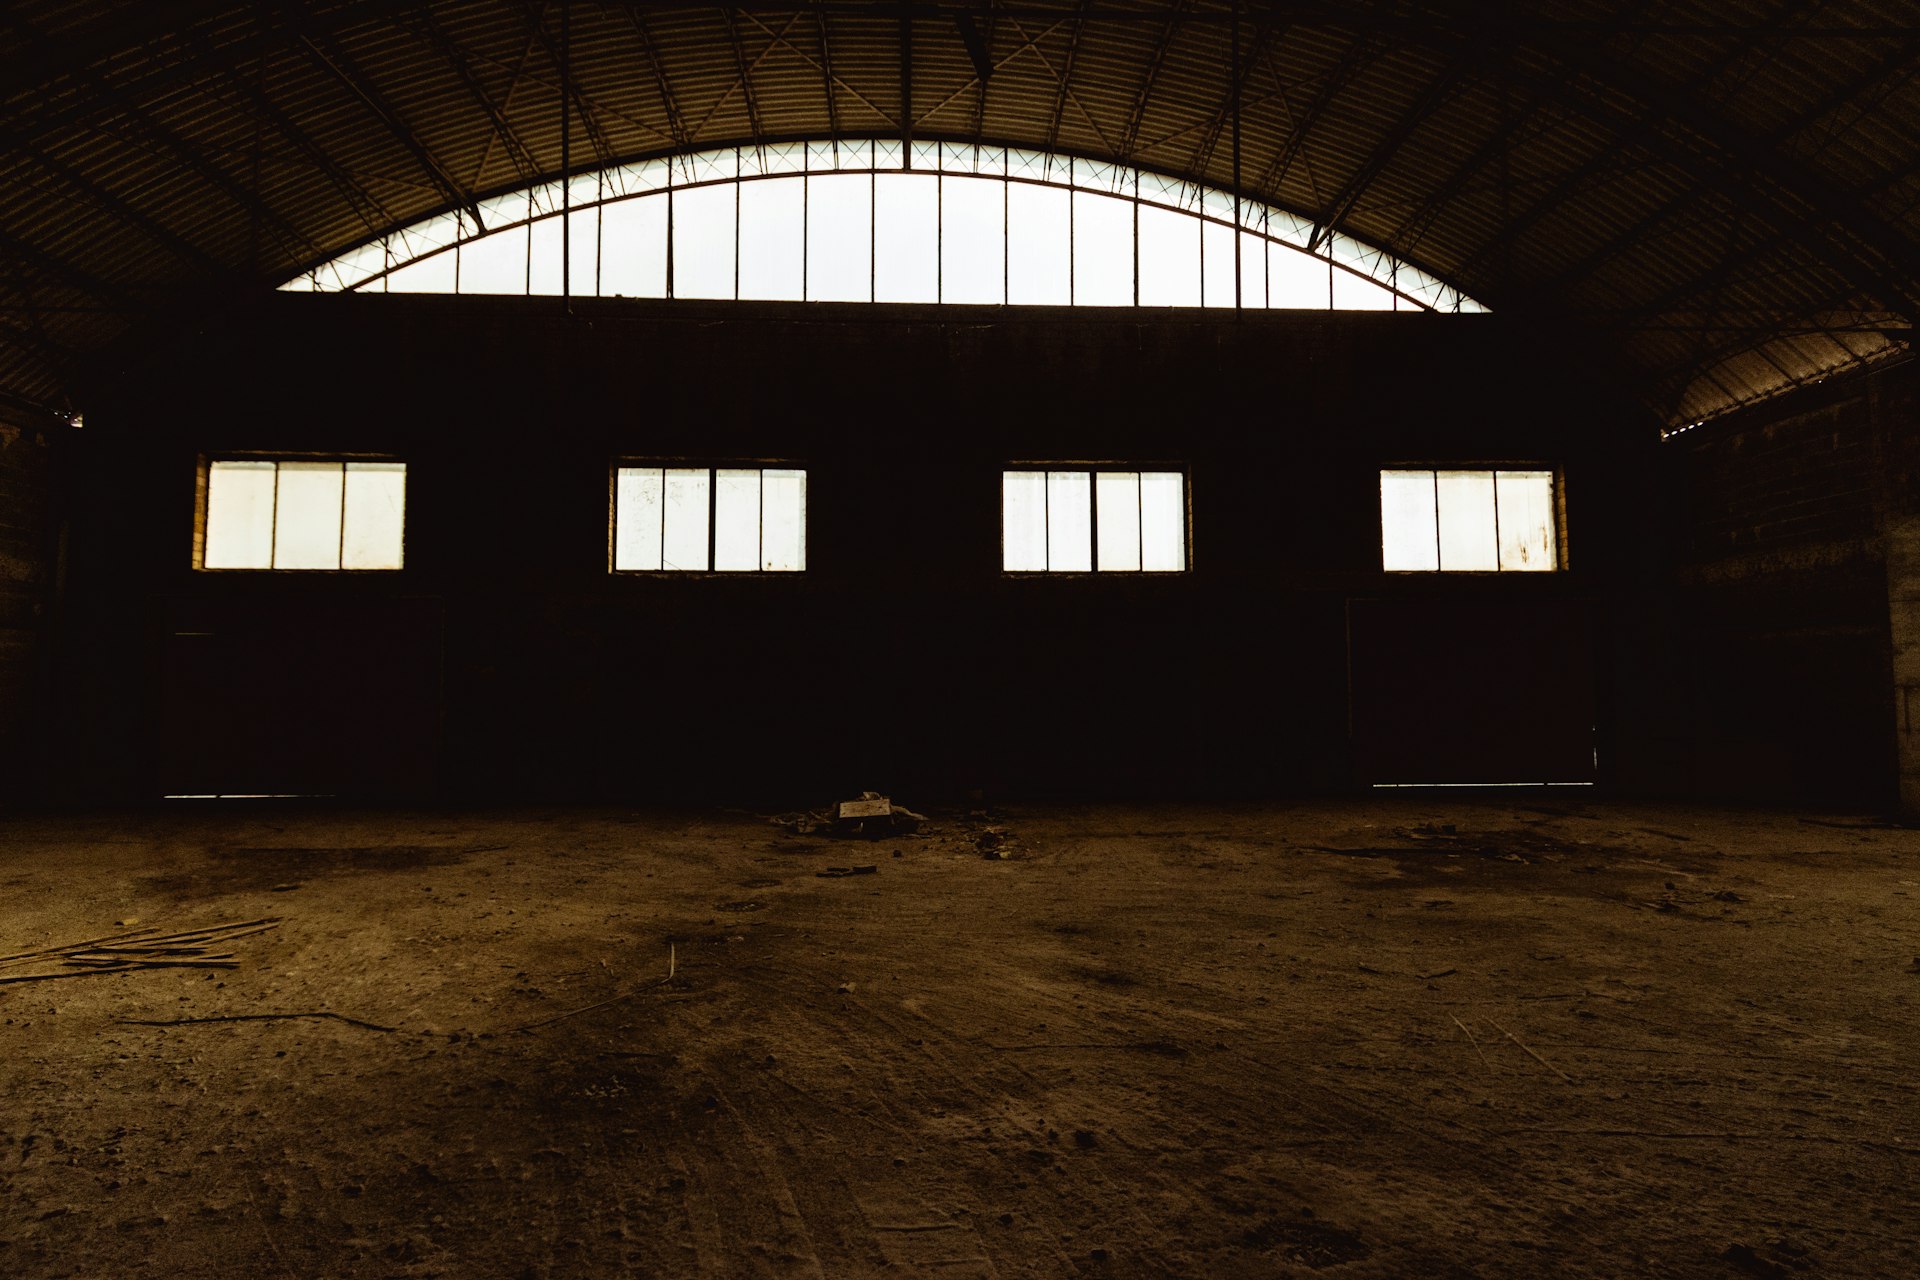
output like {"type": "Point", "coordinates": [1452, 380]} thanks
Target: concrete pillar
{"type": "Point", "coordinates": [1903, 612]}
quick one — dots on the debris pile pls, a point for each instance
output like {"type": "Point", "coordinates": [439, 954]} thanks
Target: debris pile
{"type": "Point", "coordinates": [871, 816]}
{"type": "Point", "coordinates": [139, 949]}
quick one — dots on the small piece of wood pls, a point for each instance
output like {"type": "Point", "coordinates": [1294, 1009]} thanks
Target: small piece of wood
{"type": "Point", "coordinates": [249, 1017]}
{"type": "Point", "coordinates": [1475, 1043]}
{"type": "Point", "coordinates": [1530, 1053]}
{"type": "Point", "coordinates": [71, 946]}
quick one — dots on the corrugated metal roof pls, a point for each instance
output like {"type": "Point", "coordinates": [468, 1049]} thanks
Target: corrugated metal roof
{"type": "Point", "coordinates": [1724, 192]}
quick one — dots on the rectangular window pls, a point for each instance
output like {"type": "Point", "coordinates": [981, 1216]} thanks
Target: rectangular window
{"type": "Point", "coordinates": [1485, 520]}
{"type": "Point", "coordinates": [702, 519]}
{"type": "Point", "coordinates": [303, 514]}
{"type": "Point", "coordinates": [1085, 519]}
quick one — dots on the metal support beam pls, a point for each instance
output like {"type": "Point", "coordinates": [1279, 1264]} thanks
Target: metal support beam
{"type": "Point", "coordinates": [746, 77]}
{"type": "Point", "coordinates": [190, 254]}
{"type": "Point", "coordinates": [1342, 203]}
{"type": "Point", "coordinates": [1130, 137]}
{"type": "Point", "coordinates": [676, 122]}
{"type": "Point", "coordinates": [1066, 78]}
{"type": "Point", "coordinates": [336, 61]}
{"type": "Point", "coordinates": [570, 85]}
{"type": "Point", "coordinates": [509, 138]}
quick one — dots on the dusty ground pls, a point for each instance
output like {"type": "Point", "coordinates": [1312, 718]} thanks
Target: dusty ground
{"type": "Point", "coordinates": [1167, 1041]}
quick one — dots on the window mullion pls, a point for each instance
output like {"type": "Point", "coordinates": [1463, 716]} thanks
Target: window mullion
{"type": "Point", "coordinates": [1093, 521]}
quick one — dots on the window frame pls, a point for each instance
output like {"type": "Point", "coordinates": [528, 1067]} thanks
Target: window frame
{"type": "Point", "coordinates": [712, 466]}
{"type": "Point", "coordinates": [1142, 467]}
{"type": "Point", "coordinates": [1557, 480]}
{"type": "Point", "coordinates": [203, 504]}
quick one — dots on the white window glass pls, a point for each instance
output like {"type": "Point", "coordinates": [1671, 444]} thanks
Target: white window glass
{"type": "Point", "coordinates": [1102, 251]}
{"type": "Point", "coordinates": [840, 238]}
{"type": "Point", "coordinates": [306, 518]}
{"type": "Point", "coordinates": [1110, 521]}
{"type": "Point", "coordinates": [495, 263]}
{"type": "Point", "coordinates": [1253, 271]}
{"type": "Point", "coordinates": [637, 517]}
{"type": "Point", "coordinates": [906, 247]}
{"type": "Point", "coordinates": [1352, 293]}
{"type": "Point", "coordinates": [1468, 539]}
{"type": "Point", "coordinates": [703, 242]}
{"type": "Point", "coordinates": [1163, 522]}
{"type": "Point", "coordinates": [436, 274]}
{"type": "Point", "coordinates": [585, 252]}
{"type": "Point", "coordinates": [1069, 521]}
{"type": "Point", "coordinates": [633, 248]}
{"type": "Point", "coordinates": [736, 520]}
{"type": "Point", "coordinates": [1524, 504]}
{"type": "Point", "coordinates": [239, 516]}
{"type": "Point", "coordinates": [772, 239]}
{"type": "Point", "coordinates": [1217, 264]}
{"type": "Point", "coordinates": [989, 229]}
{"type": "Point", "coordinates": [374, 516]}
{"type": "Point", "coordinates": [1039, 245]}
{"type": "Point", "coordinates": [1296, 280]}
{"type": "Point", "coordinates": [1409, 534]}
{"type": "Point", "coordinates": [1023, 521]}
{"type": "Point", "coordinates": [683, 534]}
{"type": "Point", "coordinates": [1169, 258]}
{"type": "Point", "coordinates": [972, 240]}
{"type": "Point", "coordinates": [544, 258]}
{"type": "Point", "coordinates": [783, 520]}
{"type": "Point", "coordinates": [758, 518]}
{"type": "Point", "coordinates": [1117, 519]}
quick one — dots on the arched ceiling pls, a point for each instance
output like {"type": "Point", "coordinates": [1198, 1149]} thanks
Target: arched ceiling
{"type": "Point", "coordinates": [1724, 194]}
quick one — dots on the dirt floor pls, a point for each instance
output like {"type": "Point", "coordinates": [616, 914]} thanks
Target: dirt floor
{"type": "Point", "coordinates": [1396, 1040]}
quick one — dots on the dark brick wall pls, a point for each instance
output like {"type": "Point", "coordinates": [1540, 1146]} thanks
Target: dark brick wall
{"type": "Point", "coordinates": [27, 560]}
{"type": "Point", "coordinates": [1766, 647]}
{"type": "Point", "coordinates": [903, 657]}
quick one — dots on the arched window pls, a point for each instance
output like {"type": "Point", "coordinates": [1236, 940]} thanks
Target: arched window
{"type": "Point", "coordinates": [881, 221]}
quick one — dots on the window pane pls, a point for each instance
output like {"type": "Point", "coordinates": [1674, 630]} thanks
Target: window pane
{"type": "Point", "coordinates": [633, 248]}
{"type": "Point", "coordinates": [306, 523]}
{"type": "Point", "coordinates": [1069, 521]}
{"type": "Point", "coordinates": [1102, 251]}
{"type": "Point", "coordinates": [1352, 293]}
{"type": "Point", "coordinates": [495, 263]}
{"type": "Point", "coordinates": [1253, 271]}
{"type": "Point", "coordinates": [1039, 245]}
{"type": "Point", "coordinates": [1217, 264]}
{"type": "Point", "coordinates": [1296, 280]}
{"type": "Point", "coordinates": [543, 256]}
{"type": "Point", "coordinates": [1467, 538]}
{"type": "Point", "coordinates": [239, 516]}
{"type": "Point", "coordinates": [1117, 518]}
{"type": "Point", "coordinates": [376, 510]}
{"type": "Point", "coordinates": [1409, 536]}
{"type": "Point", "coordinates": [703, 243]}
{"type": "Point", "coordinates": [428, 275]}
{"type": "Point", "coordinates": [736, 520]}
{"type": "Point", "coordinates": [636, 518]}
{"type": "Point", "coordinates": [585, 281]}
{"type": "Point", "coordinates": [1023, 521]}
{"type": "Point", "coordinates": [1163, 521]}
{"type": "Point", "coordinates": [840, 238]}
{"type": "Point", "coordinates": [1169, 258]}
{"type": "Point", "coordinates": [1524, 504]}
{"type": "Point", "coordinates": [906, 247]}
{"type": "Point", "coordinates": [783, 520]}
{"type": "Point", "coordinates": [972, 240]}
{"type": "Point", "coordinates": [772, 239]}
{"type": "Point", "coordinates": [683, 543]}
